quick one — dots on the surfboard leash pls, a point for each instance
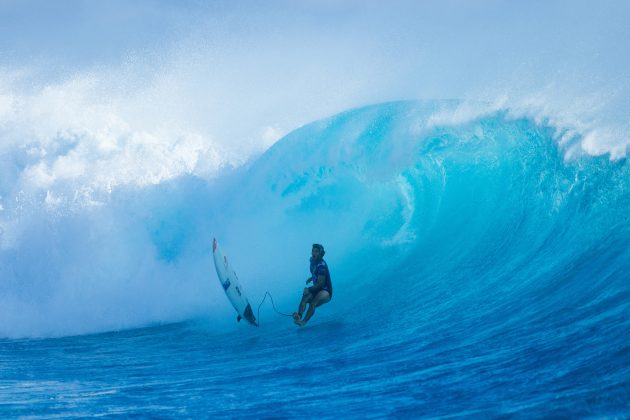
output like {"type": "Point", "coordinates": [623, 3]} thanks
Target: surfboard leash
{"type": "Point", "coordinates": [272, 304]}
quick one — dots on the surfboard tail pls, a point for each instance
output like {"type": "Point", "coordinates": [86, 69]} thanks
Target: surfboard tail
{"type": "Point", "coordinates": [249, 315]}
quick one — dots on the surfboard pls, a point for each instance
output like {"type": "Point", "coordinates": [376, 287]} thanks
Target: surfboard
{"type": "Point", "coordinates": [232, 286]}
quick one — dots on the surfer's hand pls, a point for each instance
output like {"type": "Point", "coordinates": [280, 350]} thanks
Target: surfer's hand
{"type": "Point", "coordinates": [308, 280]}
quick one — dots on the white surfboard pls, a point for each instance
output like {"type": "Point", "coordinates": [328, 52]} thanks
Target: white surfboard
{"type": "Point", "coordinates": [232, 287]}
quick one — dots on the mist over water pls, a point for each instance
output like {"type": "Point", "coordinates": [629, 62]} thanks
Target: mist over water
{"type": "Point", "coordinates": [239, 76]}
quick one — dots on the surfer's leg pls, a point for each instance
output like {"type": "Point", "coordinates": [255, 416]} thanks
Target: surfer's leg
{"type": "Point", "coordinates": [306, 298]}
{"type": "Point", "coordinates": [322, 297]}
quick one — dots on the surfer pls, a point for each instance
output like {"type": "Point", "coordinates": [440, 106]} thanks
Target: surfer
{"type": "Point", "coordinates": [320, 292]}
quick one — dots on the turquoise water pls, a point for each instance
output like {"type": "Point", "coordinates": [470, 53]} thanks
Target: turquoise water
{"type": "Point", "coordinates": [477, 272]}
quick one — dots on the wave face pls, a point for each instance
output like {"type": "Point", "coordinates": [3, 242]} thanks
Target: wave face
{"type": "Point", "coordinates": [476, 270]}
{"type": "Point", "coordinates": [439, 216]}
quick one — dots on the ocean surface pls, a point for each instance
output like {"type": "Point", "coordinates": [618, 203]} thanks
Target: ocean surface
{"type": "Point", "coordinates": [480, 262]}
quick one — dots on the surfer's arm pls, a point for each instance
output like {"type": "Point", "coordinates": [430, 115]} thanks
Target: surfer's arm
{"type": "Point", "coordinates": [319, 285]}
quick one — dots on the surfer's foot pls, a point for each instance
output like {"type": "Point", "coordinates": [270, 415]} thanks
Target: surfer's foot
{"type": "Point", "coordinates": [300, 322]}
{"type": "Point", "coordinates": [297, 316]}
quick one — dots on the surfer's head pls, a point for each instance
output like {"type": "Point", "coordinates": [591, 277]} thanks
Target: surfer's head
{"type": "Point", "coordinates": [318, 251]}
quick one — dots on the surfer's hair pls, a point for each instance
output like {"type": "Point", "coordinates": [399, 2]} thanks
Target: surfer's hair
{"type": "Point", "coordinates": [320, 248]}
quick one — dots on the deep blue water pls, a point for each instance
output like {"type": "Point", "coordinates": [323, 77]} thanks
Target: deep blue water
{"type": "Point", "coordinates": [477, 273]}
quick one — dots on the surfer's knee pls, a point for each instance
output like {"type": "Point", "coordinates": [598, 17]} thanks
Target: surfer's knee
{"type": "Point", "coordinates": [322, 297]}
